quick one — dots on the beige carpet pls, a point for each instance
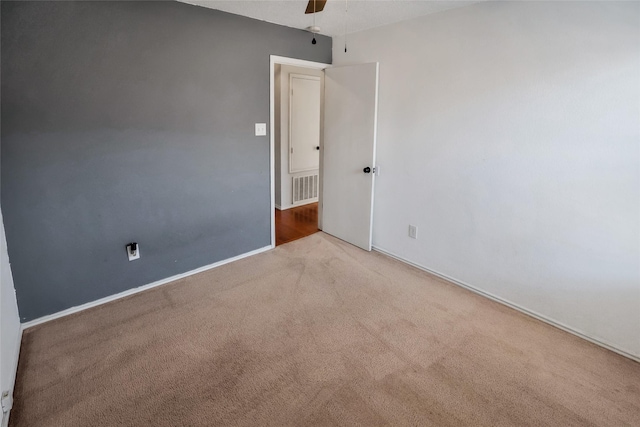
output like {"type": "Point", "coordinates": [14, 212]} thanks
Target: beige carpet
{"type": "Point", "coordinates": [316, 332]}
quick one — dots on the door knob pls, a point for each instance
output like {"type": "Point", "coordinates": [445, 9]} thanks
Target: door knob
{"type": "Point", "coordinates": [317, 147]}
{"type": "Point", "coordinates": [366, 170]}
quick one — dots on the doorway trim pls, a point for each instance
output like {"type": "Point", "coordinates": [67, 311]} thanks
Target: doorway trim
{"type": "Point", "coordinates": [282, 60]}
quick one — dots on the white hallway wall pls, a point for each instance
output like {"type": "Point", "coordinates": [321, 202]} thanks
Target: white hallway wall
{"type": "Point", "coordinates": [9, 319]}
{"type": "Point", "coordinates": [509, 134]}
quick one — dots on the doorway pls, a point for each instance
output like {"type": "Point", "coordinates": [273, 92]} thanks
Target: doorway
{"type": "Point", "coordinates": [296, 124]}
{"type": "Point", "coordinates": [346, 151]}
{"type": "Point", "coordinates": [296, 223]}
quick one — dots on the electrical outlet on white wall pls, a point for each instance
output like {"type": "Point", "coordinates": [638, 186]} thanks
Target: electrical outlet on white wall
{"type": "Point", "coordinates": [413, 231]}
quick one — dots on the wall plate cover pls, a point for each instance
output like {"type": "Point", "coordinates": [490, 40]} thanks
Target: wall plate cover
{"type": "Point", "coordinates": [132, 256]}
{"type": "Point", "coordinates": [261, 129]}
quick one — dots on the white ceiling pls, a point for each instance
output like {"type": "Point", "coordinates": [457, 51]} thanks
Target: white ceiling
{"type": "Point", "coordinates": [363, 14]}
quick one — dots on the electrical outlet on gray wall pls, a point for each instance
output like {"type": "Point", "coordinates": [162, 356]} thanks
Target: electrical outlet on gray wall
{"type": "Point", "coordinates": [413, 231]}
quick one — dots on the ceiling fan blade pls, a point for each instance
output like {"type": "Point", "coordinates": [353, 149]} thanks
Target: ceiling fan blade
{"type": "Point", "coordinates": [319, 6]}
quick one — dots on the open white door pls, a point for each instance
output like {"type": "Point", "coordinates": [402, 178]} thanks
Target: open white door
{"type": "Point", "coordinates": [349, 152]}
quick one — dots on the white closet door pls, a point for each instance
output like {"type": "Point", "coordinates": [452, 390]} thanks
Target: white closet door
{"type": "Point", "coordinates": [304, 123]}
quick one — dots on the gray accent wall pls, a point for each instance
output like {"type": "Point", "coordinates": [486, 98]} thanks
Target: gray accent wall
{"type": "Point", "coordinates": [132, 121]}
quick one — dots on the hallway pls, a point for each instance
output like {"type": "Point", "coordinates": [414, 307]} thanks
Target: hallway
{"type": "Point", "coordinates": [296, 223]}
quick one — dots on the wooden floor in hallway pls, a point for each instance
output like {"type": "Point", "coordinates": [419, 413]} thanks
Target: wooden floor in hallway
{"type": "Point", "coordinates": [296, 223]}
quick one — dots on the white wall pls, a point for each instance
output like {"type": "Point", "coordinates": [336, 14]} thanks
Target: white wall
{"type": "Point", "coordinates": [509, 134]}
{"type": "Point", "coordinates": [281, 97]}
{"type": "Point", "coordinates": [9, 319]}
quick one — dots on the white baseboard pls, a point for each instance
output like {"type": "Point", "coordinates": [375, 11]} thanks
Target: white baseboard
{"type": "Point", "coordinates": [295, 205]}
{"type": "Point", "coordinates": [143, 288]}
{"type": "Point", "coordinates": [510, 304]}
{"type": "Point", "coordinates": [305, 202]}
{"type": "Point", "coordinates": [14, 372]}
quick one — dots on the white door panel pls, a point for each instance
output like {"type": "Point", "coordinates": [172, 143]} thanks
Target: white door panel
{"type": "Point", "coordinates": [350, 121]}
